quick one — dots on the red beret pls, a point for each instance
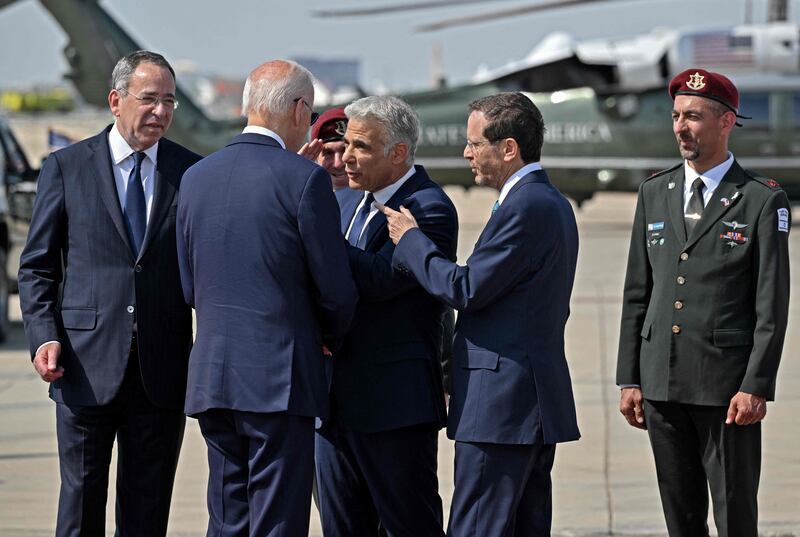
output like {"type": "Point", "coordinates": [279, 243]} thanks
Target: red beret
{"type": "Point", "coordinates": [706, 84]}
{"type": "Point", "coordinates": [330, 126]}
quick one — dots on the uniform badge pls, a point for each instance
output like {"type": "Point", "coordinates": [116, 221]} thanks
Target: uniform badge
{"type": "Point", "coordinates": [733, 238]}
{"type": "Point", "coordinates": [735, 225]}
{"type": "Point", "coordinates": [725, 202]}
{"type": "Point", "coordinates": [695, 81]}
{"type": "Point", "coordinates": [671, 185]}
{"type": "Point", "coordinates": [655, 226]}
{"type": "Point", "coordinates": [773, 183]}
{"type": "Point", "coordinates": [340, 127]}
{"type": "Point", "coordinates": [783, 220]}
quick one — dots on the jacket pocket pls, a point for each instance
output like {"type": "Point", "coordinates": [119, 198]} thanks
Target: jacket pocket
{"type": "Point", "coordinates": [79, 319]}
{"type": "Point", "coordinates": [481, 359]}
{"type": "Point", "coordinates": [732, 337]}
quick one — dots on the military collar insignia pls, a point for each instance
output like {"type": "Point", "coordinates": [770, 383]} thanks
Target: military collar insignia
{"type": "Point", "coordinates": [725, 202]}
{"type": "Point", "coordinates": [671, 185]}
{"type": "Point", "coordinates": [695, 81]}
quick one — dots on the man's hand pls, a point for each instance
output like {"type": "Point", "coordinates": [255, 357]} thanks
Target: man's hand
{"type": "Point", "coordinates": [630, 404]}
{"type": "Point", "coordinates": [311, 150]}
{"type": "Point", "coordinates": [399, 222]}
{"type": "Point", "coordinates": [46, 362]}
{"type": "Point", "coordinates": [746, 409]}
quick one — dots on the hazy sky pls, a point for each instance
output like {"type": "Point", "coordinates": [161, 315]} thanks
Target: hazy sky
{"type": "Point", "coordinates": [233, 36]}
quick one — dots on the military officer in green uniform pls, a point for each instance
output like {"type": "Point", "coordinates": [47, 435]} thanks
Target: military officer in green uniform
{"type": "Point", "coordinates": [704, 315]}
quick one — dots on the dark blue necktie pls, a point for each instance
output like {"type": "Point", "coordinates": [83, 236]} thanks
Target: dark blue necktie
{"type": "Point", "coordinates": [360, 220]}
{"type": "Point", "coordinates": [135, 206]}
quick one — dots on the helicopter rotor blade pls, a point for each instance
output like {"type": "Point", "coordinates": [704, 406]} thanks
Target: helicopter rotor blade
{"type": "Point", "coordinates": [502, 14]}
{"type": "Point", "coordinates": [394, 8]}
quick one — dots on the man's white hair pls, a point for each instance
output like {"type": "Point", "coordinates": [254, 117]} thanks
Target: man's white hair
{"type": "Point", "coordinates": [400, 122]}
{"type": "Point", "coordinates": [276, 96]}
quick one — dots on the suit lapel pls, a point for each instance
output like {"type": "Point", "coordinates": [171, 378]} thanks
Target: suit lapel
{"type": "Point", "coordinates": [538, 176]}
{"type": "Point", "coordinates": [675, 204]}
{"type": "Point", "coordinates": [378, 222]}
{"type": "Point", "coordinates": [104, 174]}
{"type": "Point", "coordinates": [163, 194]}
{"type": "Point", "coordinates": [715, 209]}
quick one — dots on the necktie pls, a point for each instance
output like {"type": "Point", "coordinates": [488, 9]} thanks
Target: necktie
{"type": "Point", "coordinates": [360, 220]}
{"type": "Point", "coordinates": [135, 206]}
{"type": "Point", "coordinates": [695, 209]}
{"type": "Point", "coordinates": [495, 206]}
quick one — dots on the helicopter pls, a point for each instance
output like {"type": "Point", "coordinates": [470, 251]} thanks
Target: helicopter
{"type": "Point", "coordinates": [604, 101]}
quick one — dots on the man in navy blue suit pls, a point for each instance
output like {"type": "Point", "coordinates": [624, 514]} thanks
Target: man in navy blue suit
{"type": "Point", "coordinates": [104, 315]}
{"type": "Point", "coordinates": [511, 399]}
{"type": "Point", "coordinates": [376, 455]}
{"type": "Point", "coordinates": [264, 266]}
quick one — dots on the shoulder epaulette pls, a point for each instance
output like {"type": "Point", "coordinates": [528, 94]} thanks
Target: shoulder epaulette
{"type": "Point", "coordinates": [664, 172]}
{"type": "Point", "coordinates": [769, 183]}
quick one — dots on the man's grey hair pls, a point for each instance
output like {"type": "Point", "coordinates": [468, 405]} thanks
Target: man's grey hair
{"type": "Point", "coordinates": [400, 122]}
{"type": "Point", "coordinates": [267, 95]}
{"type": "Point", "coordinates": [126, 66]}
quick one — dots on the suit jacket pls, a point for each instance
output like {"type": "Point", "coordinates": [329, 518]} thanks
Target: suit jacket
{"type": "Point", "coordinates": [388, 373]}
{"type": "Point", "coordinates": [80, 283]}
{"type": "Point", "coordinates": [511, 383]}
{"type": "Point", "coordinates": [263, 264]}
{"type": "Point", "coordinates": [704, 316]}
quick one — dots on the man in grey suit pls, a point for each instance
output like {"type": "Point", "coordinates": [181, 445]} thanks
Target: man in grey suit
{"type": "Point", "coordinates": [103, 310]}
{"type": "Point", "coordinates": [704, 315]}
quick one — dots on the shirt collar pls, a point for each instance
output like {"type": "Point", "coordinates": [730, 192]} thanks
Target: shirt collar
{"type": "Point", "coordinates": [711, 178]}
{"type": "Point", "coordinates": [522, 172]}
{"type": "Point", "coordinates": [255, 129]}
{"type": "Point", "coordinates": [120, 150]}
{"type": "Point", "coordinates": [385, 194]}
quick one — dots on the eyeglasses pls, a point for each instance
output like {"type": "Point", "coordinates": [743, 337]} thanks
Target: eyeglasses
{"type": "Point", "coordinates": [474, 145]}
{"type": "Point", "coordinates": [314, 115]}
{"type": "Point", "coordinates": [152, 100]}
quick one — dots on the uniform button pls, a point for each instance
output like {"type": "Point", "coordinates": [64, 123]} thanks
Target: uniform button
{"type": "Point", "coordinates": [684, 256]}
{"type": "Point", "coordinates": [676, 329]}
{"type": "Point", "coordinates": [130, 309]}
{"type": "Point", "coordinates": [678, 305]}
{"type": "Point", "coordinates": [137, 268]}
{"type": "Point", "coordinates": [681, 280]}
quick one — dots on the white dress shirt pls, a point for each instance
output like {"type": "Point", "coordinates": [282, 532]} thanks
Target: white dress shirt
{"type": "Point", "coordinates": [122, 165]}
{"type": "Point", "coordinates": [382, 196]}
{"type": "Point", "coordinates": [522, 172]}
{"type": "Point", "coordinates": [255, 129]}
{"type": "Point", "coordinates": [711, 180]}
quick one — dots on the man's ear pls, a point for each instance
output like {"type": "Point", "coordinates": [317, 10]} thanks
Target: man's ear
{"type": "Point", "coordinates": [399, 153]}
{"type": "Point", "coordinates": [510, 149]}
{"type": "Point", "coordinates": [113, 102]}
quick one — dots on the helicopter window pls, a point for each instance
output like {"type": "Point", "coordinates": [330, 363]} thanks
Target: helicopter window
{"type": "Point", "coordinates": [796, 109]}
{"type": "Point", "coordinates": [756, 106]}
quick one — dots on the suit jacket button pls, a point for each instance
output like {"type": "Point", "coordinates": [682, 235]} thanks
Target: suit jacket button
{"type": "Point", "coordinates": [130, 309]}
{"type": "Point", "coordinates": [684, 256]}
{"type": "Point", "coordinates": [676, 329]}
{"type": "Point", "coordinates": [681, 280]}
{"type": "Point", "coordinates": [678, 305]}
{"type": "Point", "coordinates": [137, 268]}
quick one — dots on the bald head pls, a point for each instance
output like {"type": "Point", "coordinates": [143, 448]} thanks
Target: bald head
{"type": "Point", "coordinates": [272, 87]}
{"type": "Point", "coordinates": [279, 95]}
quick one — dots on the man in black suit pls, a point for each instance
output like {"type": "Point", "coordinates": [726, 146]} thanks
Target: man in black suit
{"type": "Point", "coordinates": [704, 315]}
{"type": "Point", "coordinates": [376, 455]}
{"type": "Point", "coordinates": [103, 310]}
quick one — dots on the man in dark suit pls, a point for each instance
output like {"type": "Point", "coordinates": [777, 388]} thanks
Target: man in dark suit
{"type": "Point", "coordinates": [704, 315]}
{"type": "Point", "coordinates": [511, 399]}
{"type": "Point", "coordinates": [376, 456]}
{"type": "Point", "coordinates": [264, 266]}
{"type": "Point", "coordinates": [102, 305]}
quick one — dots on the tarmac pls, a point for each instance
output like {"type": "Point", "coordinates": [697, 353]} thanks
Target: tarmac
{"type": "Point", "coordinates": [604, 484]}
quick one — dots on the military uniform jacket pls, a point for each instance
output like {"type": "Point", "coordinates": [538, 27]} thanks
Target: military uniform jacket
{"type": "Point", "coordinates": [704, 316]}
